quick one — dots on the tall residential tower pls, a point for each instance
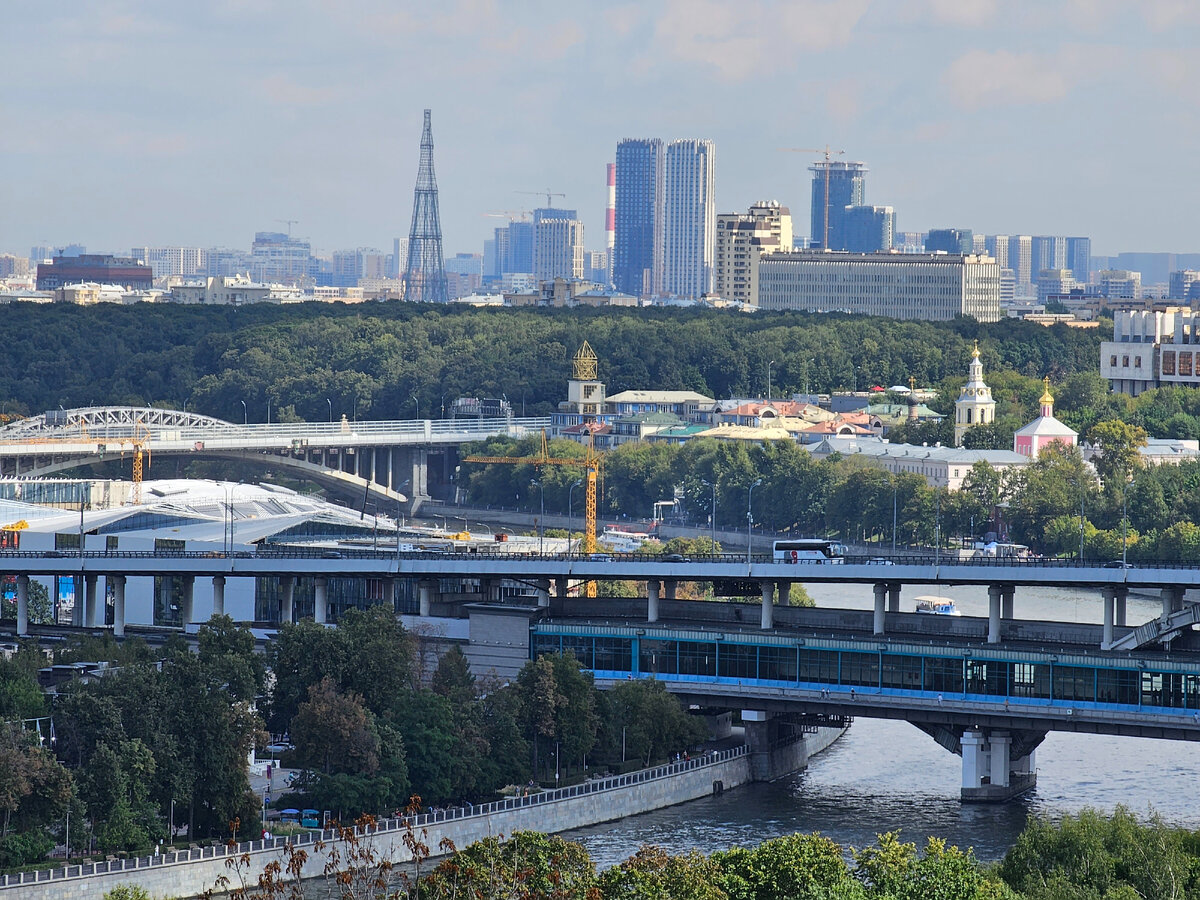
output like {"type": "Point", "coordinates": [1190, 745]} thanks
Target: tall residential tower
{"type": "Point", "coordinates": [689, 219]}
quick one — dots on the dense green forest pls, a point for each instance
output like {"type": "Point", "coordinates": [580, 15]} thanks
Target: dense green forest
{"type": "Point", "coordinates": [371, 360]}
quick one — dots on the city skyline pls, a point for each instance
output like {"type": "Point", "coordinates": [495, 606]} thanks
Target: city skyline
{"type": "Point", "coordinates": [970, 114]}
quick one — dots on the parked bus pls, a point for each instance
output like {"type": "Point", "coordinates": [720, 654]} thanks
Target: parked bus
{"type": "Point", "coordinates": [814, 550]}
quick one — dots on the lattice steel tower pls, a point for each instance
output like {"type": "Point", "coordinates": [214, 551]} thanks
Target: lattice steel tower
{"type": "Point", "coordinates": [425, 275]}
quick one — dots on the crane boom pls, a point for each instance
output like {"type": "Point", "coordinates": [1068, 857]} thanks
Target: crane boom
{"type": "Point", "coordinates": [829, 154]}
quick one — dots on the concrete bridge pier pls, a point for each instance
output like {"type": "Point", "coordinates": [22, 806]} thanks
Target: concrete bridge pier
{"type": "Point", "coordinates": [22, 605]}
{"type": "Point", "coordinates": [543, 593]}
{"type": "Point", "coordinates": [1119, 614]}
{"type": "Point", "coordinates": [772, 755]}
{"type": "Point", "coordinates": [89, 600]}
{"type": "Point", "coordinates": [287, 600]}
{"type": "Point", "coordinates": [894, 596]}
{"type": "Point", "coordinates": [670, 587]}
{"type": "Point", "coordinates": [1110, 595]}
{"type": "Point", "coordinates": [560, 588]}
{"type": "Point", "coordinates": [415, 468]}
{"type": "Point", "coordinates": [1006, 601]}
{"type": "Point", "coordinates": [425, 591]}
{"type": "Point", "coordinates": [188, 612]}
{"type": "Point", "coordinates": [652, 588]}
{"type": "Point", "coordinates": [1172, 600]}
{"type": "Point", "coordinates": [989, 771]}
{"type": "Point", "coordinates": [994, 592]}
{"type": "Point", "coordinates": [768, 605]}
{"type": "Point", "coordinates": [785, 592]}
{"type": "Point", "coordinates": [77, 609]}
{"type": "Point", "coordinates": [218, 595]}
{"type": "Point", "coordinates": [321, 599]}
{"type": "Point", "coordinates": [118, 583]}
{"type": "Point", "coordinates": [881, 592]}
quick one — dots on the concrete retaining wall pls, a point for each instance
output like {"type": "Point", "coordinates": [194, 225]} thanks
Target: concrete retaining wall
{"type": "Point", "coordinates": [186, 874]}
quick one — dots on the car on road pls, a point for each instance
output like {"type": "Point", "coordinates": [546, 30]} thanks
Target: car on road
{"type": "Point", "coordinates": [880, 561]}
{"type": "Point", "coordinates": [1118, 564]}
{"type": "Point", "coordinates": [675, 557]}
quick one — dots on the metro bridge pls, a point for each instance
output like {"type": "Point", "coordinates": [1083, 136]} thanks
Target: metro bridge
{"type": "Point", "coordinates": [991, 704]}
{"type": "Point", "coordinates": [382, 457]}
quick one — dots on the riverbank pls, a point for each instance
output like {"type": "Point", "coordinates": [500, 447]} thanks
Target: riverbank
{"type": "Point", "coordinates": [190, 873]}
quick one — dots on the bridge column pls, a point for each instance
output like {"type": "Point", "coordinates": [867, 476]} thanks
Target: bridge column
{"type": "Point", "coordinates": [1119, 615]}
{"type": "Point", "coordinates": [894, 596]}
{"type": "Point", "coordinates": [768, 605]}
{"type": "Point", "coordinates": [785, 591]}
{"type": "Point", "coordinates": [1006, 601]}
{"type": "Point", "coordinates": [974, 760]}
{"type": "Point", "coordinates": [670, 586]}
{"type": "Point", "coordinates": [652, 601]}
{"type": "Point", "coordinates": [543, 593]}
{"type": "Point", "coordinates": [881, 590]}
{"type": "Point", "coordinates": [1001, 746]}
{"type": "Point", "coordinates": [425, 590]}
{"type": "Point", "coordinates": [994, 613]}
{"type": "Point", "coordinates": [287, 600]}
{"type": "Point", "coordinates": [187, 614]}
{"type": "Point", "coordinates": [390, 483]}
{"type": "Point", "coordinates": [321, 599]}
{"type": "Point", "coordinates": [77, 609]}
{"type": "Point", "coordinates": [1172, 600]}
{"type": "Point", "coordinates": [89, 600]}
{"type": "Point", "coordinates": [118, 583]}
{"type": "Point", "coordinates": [560, 588]}
{"type": "Point", "coordinates": [1110, 595]}
{"type": "Point", "coordinates": [389, 592]}
{"type": "Point", "coordinates": [22, 605]}
{"type": "Point", "coordinates": [218, 594]}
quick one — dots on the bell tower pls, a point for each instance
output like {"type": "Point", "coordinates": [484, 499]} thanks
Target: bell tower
{"type": "Point", "coordinates": [974, 405]}
{"type": "Point", "coordinates": [585, 390]}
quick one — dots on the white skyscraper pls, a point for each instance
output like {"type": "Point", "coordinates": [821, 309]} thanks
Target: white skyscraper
{"type": "Point", "coordinates": [690, 218]}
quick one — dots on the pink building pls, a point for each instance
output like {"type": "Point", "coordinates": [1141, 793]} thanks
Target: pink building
{"type": "Point", "coordinates": [1045, 429]}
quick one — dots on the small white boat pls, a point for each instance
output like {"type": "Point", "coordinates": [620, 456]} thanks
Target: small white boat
{"type": "Point", "coordinates": [938, 606]}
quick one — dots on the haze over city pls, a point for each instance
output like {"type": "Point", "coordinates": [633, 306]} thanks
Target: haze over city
{"type": "Point", "coordinates": [130, 123]}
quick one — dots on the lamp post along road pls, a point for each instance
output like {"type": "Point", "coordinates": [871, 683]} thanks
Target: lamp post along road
{"type": "Point", "coordinates": [750, 522]}
{"type": "Point", "coordinates": [712, 518]}
{"type": "Point", "coordinates": [571, 513]}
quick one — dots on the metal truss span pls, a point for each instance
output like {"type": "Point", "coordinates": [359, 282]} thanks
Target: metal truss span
{"type": "Point", "coordinates": [107, 419]}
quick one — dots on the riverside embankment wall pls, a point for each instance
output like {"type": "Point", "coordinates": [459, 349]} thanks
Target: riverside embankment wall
{"type": "Point", "coordinates": [188, 873]}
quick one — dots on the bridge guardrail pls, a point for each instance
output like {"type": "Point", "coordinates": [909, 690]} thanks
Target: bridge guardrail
{"type": "Point", "coordinates": [382, 826]}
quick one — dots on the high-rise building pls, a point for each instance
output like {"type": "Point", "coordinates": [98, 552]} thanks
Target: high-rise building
{"type": "Point", "coordinates": [1184, 285]}
{"type": "Point", "coordinates": [869, 229]}
{"type": "Point", "coordinates": [689, 218]}
{"type": "Point", "coordinates": [836, 185]}
{"type": "Point", "coordinates": [514, 248]}
{"type": "Point", "coordinates": [100, 268]}
{"type": "Point", "coordinates": [1020, 260]}
{"type": "Point", "coordinates": [276, 256]}
{"type": "Point", "coordinates": [638, 226]}
{"type": "Point", "coordinates": [557, 245]}
{"type": "Point", "coordinates": [1047, 252]}
{"type": "Point", "coordinates": [1079, 258]}
{"type": "Point", "coordinates": [935, 287]}
{"type": "Point", "coordinates": [1115, 284]}
{"type": "Point", "coordinates": [740, 240]}
{"type": "Point", "coordinates": [11, 265]}
{"type": "Point", "coordinates": [996, 246]}
{"type": "Point", "coordinates": [1054, 283]}
{"type": "Point", "coordinates": [950, 240]}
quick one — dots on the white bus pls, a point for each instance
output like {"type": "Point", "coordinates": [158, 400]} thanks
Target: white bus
{"type": "Point", "coordinates": [810, 550]}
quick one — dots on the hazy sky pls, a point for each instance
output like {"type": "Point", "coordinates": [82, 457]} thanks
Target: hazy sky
{"type": "Point", "coordinates": [131, 122]}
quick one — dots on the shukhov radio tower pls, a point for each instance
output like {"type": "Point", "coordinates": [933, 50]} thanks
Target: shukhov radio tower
{"type": "Point", "coordinates": [425, 276]}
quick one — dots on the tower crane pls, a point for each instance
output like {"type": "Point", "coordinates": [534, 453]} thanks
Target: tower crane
{"type": "Point", "coordinates": [549, 195]}
{"type": "Point", "coordinates": [289, 223]}
{"type": "Point", "coordinates": [591, 463]}
{"type": "Point", "coordinates": [141, 442]}
{"type": "Point", "coordinates": [829, 154]}
{"type": "Point", "coordinates": [513, 215]}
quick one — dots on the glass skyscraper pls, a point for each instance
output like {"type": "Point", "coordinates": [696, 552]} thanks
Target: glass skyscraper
{"type": "Point", "coordinates": [637, 244]}
{"type": "Point", "coordinates": [847, 186]}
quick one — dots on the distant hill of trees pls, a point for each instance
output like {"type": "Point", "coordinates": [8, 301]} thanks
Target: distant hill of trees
{"type": "Point", "coordinates": [372, 360]}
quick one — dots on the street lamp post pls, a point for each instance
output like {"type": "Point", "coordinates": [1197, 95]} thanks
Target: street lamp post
{"type": "Point", "coordinates": [895, 495]}
{"type": "Point", "coordinates": [416, 407]}
{"type": "Point", "coordinates": [1081, 496]}
{"type": "Point", "coordinates": [330, 402]}
{"type": "Point", "coordinates": [571, 513]}
{"type": "Point", "coordinates": [542, 519]}
{"type": "Point", "coordinates": [750, 522]}
{"type": "Point", "coordinates": [712, 517]}
{"type": "Point", "coordinates": [1124, 526]}
{"type": "Point", "coordinates": [769, 364]}
{"type": "Point", "coordinates": [245, 413]}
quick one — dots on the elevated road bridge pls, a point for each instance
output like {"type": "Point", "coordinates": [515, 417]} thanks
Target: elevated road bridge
{"type": "Point", "coordinates": [344, 456]}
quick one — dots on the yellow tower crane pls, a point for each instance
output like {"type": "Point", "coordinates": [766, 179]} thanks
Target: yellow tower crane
{"type": "Point", "coordinates": [591, 464]}
{"type": "Point", "coordinates": [141, 442]}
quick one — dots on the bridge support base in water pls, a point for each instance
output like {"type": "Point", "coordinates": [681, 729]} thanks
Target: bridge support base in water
{"type": "Point", "coordinates": [991, 773]}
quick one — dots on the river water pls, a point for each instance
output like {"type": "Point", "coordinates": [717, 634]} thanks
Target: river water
{"type": "Point", "coordinates": [884, 775]}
